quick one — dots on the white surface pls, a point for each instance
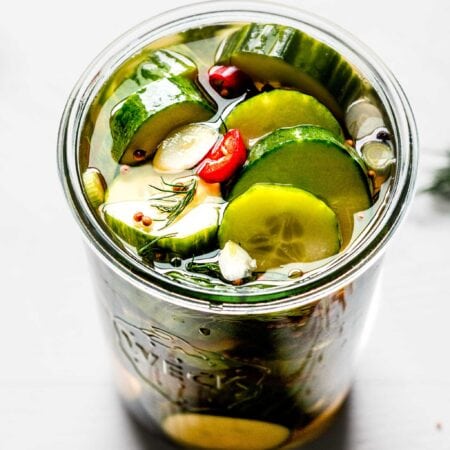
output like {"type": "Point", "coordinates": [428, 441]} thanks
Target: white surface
{"type": "Point", "coordinates": [55, 387]}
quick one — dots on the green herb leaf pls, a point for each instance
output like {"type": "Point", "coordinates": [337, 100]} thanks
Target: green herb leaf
{"type": "Point", "coordinates": [206, 268]}
{"type": "Point", "coordinates": [177, 197]}
{"type": "Point", "coordinates": [441, 183]}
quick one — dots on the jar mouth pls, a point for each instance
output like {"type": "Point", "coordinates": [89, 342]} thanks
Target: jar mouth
{"type": "Point", "coordinates": [345, 267]}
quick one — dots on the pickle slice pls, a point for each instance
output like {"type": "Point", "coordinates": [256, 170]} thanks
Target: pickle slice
{"type": "Point", "coordinates": [142, 120]}
{"type": "Point", "coordinates": [279, 108]}
{"type": "Point", "coordinates": [139, 183]}
{"type": "Point", "coordinates": [224, 433]}
{"type": "Point", "coordinates": [192, 233]}
{"type": "Point", "coordinates": [310, 158]}
{"type": "Point", "coordinates": [94, 186]}
{"type": "Point", "coordinates": [277, 53]}
{"type": "Point", "coordinates": [279, 224]}
{"type": "Point", "coordinates": [165, 63]}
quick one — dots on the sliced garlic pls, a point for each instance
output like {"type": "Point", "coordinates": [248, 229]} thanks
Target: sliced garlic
{"type": "Point", "coordinates": [185, 147]}
{"type": "Point", "coordinates": [235, 263]}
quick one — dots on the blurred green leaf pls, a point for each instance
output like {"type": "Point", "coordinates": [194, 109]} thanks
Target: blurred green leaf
{"type": "Point", "coordinates": [441, 182]}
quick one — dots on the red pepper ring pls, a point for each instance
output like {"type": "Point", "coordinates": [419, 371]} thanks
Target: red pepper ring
{"type": "Point", "coordinates": [224, 158]}
{"type": "Point", "coordinates": [229, 81]}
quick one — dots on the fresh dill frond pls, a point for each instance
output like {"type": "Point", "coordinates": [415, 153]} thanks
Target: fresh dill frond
{"type": "Point", "coordinates": [441, 182]}
{"type": "Point", "coordinates": [177, 197]}
{"type": "Point", "coordinates": [205, 268]}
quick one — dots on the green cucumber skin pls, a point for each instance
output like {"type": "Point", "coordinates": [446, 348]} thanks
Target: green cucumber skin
{"type": "Point", "coordinates": [178, 239]}
{"type": "Point", "coordinates": [160, 95]}
{"type": "Point", "coordinates": [303, 133]}
{"type": "Point", "coordinates": [125, 122]}
{"type": "Point", "coordinates": [265, 165]}
{"type": "Point", "coordinates": [282, 136]}
{"type": "Point", "coordinates": [164, 63]}
{"type": "Point", "coordinates": [302, 52]}
{"type": "Point", "coordinates": [153, 66]}
{"type": "Point", "coordinates": [185, 246]}
{"type": "Point", "coordinates": [201, 33]}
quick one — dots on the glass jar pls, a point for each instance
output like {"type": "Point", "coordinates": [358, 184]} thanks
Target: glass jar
{"type": "Point", "coordinates": [215, 369]}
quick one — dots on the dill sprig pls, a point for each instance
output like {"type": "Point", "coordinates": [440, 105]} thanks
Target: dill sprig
{"type": "Point", "coordinates": [441, 182]}
{"type": "Point", "coordinates": [205, 268]}
{"type": "Point", "coordinates": [175, 199]}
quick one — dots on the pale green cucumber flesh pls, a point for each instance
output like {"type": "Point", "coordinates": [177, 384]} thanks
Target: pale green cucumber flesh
{"type": "Point", "coordinates": [94, 186]}
{"type": "Point", "coordinates": [297, 227]}
{"type": "Point", "coordinates": [310, 158]}
{"type": "Point", "coordinates": [139, 183]}
{"type": "Point", "coordinates": [274, 70]}
{"type": "Point", "coordinates": [145, 118]}
{"type": "Point", "coordinates": [191, 234]}
{"type": "Point", "coordinates": [283, 54]}
{"type": "Point", "coordinates": [280, 108]}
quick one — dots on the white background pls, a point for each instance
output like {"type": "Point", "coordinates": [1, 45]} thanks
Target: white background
{"type": "Point", "coordinates": [55, 386]}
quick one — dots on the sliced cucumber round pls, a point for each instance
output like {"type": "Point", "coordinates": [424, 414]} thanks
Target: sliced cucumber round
{"type": "Point", "coordinates": [139, 183]}
{"type": "Point", "coordinates": [142, 120]}
{"type": "Point", "coordinates": [223, 433]}
{"type": "Point", "coordinates": [280, 108]}
{"type": "Point", "coordinates": [185, 147]}
{"type": "Point", "coordinates": [193, 232]}
{"type": "Point", "coordinates": [298, 227]}
{"type": "Point", "coordinates": [144, 68]}
{"type": "Point", "coordinates": [94, 186]}
{"type": "Point", "coordinates": [288, 56]}
{"type": "Point", "coordinates": [143, 182]}
{"type": "Point", "coordinates": [310, 158]}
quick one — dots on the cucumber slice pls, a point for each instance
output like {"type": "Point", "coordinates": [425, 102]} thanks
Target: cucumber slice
{"type": "Point", "coordinates": [94, 186]}
{"type": "Point", "coordinates": [280, 108]}
{"type": "Point", "coordinates": [139, 183]}
{"type": "Point", "coordinates": [165, 64]}
{"type": "Point", "coordinates": [220, 433]}
{"type": "Point", "coordinates": [310, 158]}
{"type": "Point", "coordinates": [283, 54]}
{"type": "Point", "coordinates": [185, 147]}
{"type": "Point", "coordinates": [194, 232]}
{"type": "Point", "coordinates": [142, 69]}
{"type": "Point", "coordinates": [298, 227]}
{"type": "Point", "coordinates": [145, 118]}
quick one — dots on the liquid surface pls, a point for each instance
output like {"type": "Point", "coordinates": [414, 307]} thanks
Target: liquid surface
{"type": "Point", "coordinates": [163, 169]}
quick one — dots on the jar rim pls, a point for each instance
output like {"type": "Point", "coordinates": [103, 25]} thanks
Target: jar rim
{"type": "Point", "coordinates": [345, 268]}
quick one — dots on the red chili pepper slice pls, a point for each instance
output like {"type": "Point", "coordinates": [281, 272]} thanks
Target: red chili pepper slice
{"type": "Point", "coordinates": [229, 81]}
{"type": "Point", "coordinates": [224, 158]}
